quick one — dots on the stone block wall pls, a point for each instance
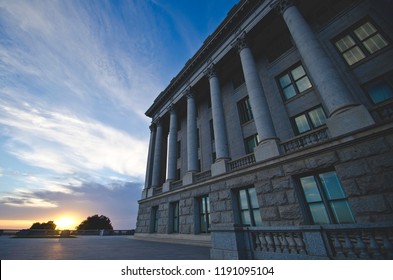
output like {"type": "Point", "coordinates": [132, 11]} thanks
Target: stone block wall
{"type": "Point", "coordinates": [364, 166]}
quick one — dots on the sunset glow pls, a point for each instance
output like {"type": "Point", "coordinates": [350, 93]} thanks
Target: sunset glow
{"type": "Point", "coordinates": [65, 223]}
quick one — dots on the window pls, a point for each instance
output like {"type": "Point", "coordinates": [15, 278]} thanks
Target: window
{"type": "Point", "coordinates": [293, 82]}
{"type": "Point", "coordinates": [174, 214]}
{"type": "Point", "coordinates": [248, 206]}
{"type": "Point", "coordinates": [310, 120]}
{"type": "Point", "coordinates": [381, 89]}
{"type": "Point", "coordinates": [360, 42]}
{"type": "Point", "coordinates": [211, 130]}
{"type": "Point", "coordinates": [325, 199]}
{"type": "Point", "coordinates": [244, 109]}
{"type": "Point", "coordinates": [238, 78]}
{"type": "Point", "coordinates": [250, 143]}
{"type": "Point", "coordinates": [204, 214]}
{"type": "Point", "coordinates": [154, 219]}
{"type": "Point", "coordinates": [178, 149]}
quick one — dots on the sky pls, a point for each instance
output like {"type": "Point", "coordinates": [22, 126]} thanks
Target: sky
{"type": "Point", "coordinates": [76, 77]}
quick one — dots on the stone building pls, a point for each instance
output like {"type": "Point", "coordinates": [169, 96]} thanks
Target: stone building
{"type": "Point", "coordinates": [275, 140]}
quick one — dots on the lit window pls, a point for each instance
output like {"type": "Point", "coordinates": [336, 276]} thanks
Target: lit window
{"type": "Point", "coordinates": [294, 81]}
{"type": "Point", "coordinates": [245, 112]}
{"type": "Point", "coordinates": [360, 42]}
{"type": "Point", "coordinates": [249, 208]}
{"type": "Point", "coordinates": [204, 214]}
{"type": "Point", "coordinates": [326, 200]}
{"type": "Point", "coordinates": [310, 120]}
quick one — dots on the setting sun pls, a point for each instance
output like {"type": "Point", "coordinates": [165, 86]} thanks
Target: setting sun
{"type": "Point", "coordinates": [65, 223]}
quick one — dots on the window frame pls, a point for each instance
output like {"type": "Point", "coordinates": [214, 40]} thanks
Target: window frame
{"type": "Point", "coordinates": [154, 219]}
{"type": "Point", "coordinates": [293, 81]}
{"type": "Point", "coordinates": [250, 209]}
{"type": "Point", "coordinates": [325, 200]}
{"type": "Point", "coordinates": [309, 120]}
{"type": "Point", "coordinates": [244, 110]}
{"type": "Point", "coordinates": [254, 137]}
{"type": "Point", "coordinates": [174, 222]}
{"type": "Point", "coordinates": [359, 42]}
{"type": "Point", "coordinates": [386, 78]}
{"type": "Point", "coordinates": [203, 210]}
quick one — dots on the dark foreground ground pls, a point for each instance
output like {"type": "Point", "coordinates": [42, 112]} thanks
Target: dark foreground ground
{"type": "Point", "coordinates": [97, 248]}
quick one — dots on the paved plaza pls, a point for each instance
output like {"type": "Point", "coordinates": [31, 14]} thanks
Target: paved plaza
{"type": "Point", "coordinates": [97, 248]}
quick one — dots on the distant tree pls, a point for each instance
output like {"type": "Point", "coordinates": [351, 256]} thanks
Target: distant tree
{"type": "Point", "coordinates": [95, 222]}
{"type": "Point", "coordinates": [49, 225]}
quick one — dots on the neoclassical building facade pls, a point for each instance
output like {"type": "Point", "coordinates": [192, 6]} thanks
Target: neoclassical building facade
{"type": "Point", "coordinates": [275, 139]}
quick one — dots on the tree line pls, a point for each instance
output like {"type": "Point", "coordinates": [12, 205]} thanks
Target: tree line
{"type": "Point", "coordinates": [91, 222]}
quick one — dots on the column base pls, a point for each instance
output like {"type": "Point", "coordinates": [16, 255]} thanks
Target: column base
{"type": "Point", "coordinates": [188, 178]}
{"type": "Point", "coordinates": [348, 120]}
{"type": "Point", "coordinates": [149, 192]}
{"type": "Point", "coordinates": [166, 187]}
{"type": "Point", "coordinates": [267, 149]}
{"type": "Point", "coordinates": [219, 167]}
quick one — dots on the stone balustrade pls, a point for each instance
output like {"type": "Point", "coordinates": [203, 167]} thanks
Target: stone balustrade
{"type": "Point", "coordinates": [242, 162]}
{"type": "Point", "coordinates": [305, 140]}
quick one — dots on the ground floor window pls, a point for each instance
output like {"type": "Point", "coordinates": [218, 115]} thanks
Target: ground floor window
{"type": "Point", "coordinates": [248, 207]}
{"type": "Point", "coordinates": [204, 214]}
{"type": "Point", "coordinates": [325, 199]}
{"type": "Point", "coordinates": [154, 219]}
{"type": "Point", "coordinates": [174, 217]}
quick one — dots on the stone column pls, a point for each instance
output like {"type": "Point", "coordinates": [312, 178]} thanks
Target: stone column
{"type": "Point", "coordinates": [268, 145]}
{"type": "Point", "coordinates": [344, 114]}
{"type": "Point", "coordinates": [150, 156]}
{"type": "Point", "coordinates": [156, 176]}
{"type": "Point", "coordinates": [172, 147]}
{"type": "Point", "coordinates": [219, 127]}
{"type": "Point", "coordinates": [192, 137]}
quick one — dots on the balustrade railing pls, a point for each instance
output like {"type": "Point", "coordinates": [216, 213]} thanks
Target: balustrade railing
{"type": "Point", "coordinates": [384, 111]}
{"type": "Point", "coordinates": [176, 184]}
{"type": "Point", "coordinates": [305, 140]}
{"type": "Point", "coordinates": [201, 176]}
{"type": "Point", "coordinates": [242, 162]}
{"type": "Point", "coordinates": [330, 241]}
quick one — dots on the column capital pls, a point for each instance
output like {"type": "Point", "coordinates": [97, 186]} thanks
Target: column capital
{"type": "Point", "coordinates": [281, 5]}
{"type": "Point", "coordinates": [240, 42]}
{"type": "Point", "coordinates": [157, 122]}
{"type": "Point", "coordinates": [210, 72]}
{"type": "Point", "coordinates": [189, 92]}
{"type": "Point", "coordinates": [152, 127]}
{"type": "Point", "coordinates": [172, 108]}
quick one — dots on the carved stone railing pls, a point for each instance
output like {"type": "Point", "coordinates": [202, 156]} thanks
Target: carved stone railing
{"type": "Point", "coordinates": [157, 190]}
{"type": "Point", "coordinates": [202, 176]}
{"type": "Point", "coordinates": [176, 184]}
{"type": "Point", "coordinates": [384, 111]}
{"type": "Point", "coordinates": [361, 243]}
{"type": "Point", "coordinates": [319, 242]}
{"type": "Point", "coordinates": [241, 162]}
{"type": "Point", "coordinates": [305, 140]}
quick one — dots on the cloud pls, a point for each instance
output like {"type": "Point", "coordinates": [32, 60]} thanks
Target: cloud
{"type": "Point", "coordinates": [64, 143]}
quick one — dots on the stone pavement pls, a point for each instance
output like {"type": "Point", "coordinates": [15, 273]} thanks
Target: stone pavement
{"type": "Point", "coordinates": [97, 248]}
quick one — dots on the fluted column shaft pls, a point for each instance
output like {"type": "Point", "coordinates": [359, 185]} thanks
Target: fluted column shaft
{"type": "Point", "coordinates": [156, 176]}
{"type": "Point", "coordinates": [172, 147]}
{"type": "Point", "coordinates": [260, 109]}
{"type": "Point", "coordinates": [192, 137]}
{"type": "Point", "coordinates": [220, 134]}
{"type": "Point", "coordinates": [150, 157]}
{"type": "Point", "coordinates": [325, 76]}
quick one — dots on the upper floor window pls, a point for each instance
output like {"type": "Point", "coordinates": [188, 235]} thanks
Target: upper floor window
{"type": "Point", "coordinates": [244, 109]}
{"type": "Point", "coordinates": [294, 81]}
{"type": "Point", "coordinates": [250, 143]}
{"type": "Point", "coordinates": [325, 199]}
{"type": "Point", "coordinates": [380, 89]}
{"type": "Point", "coordinates": [360, 42]}
{"type": "Point", "coordinates": [309, 120]}
{"type": "Point", "coordinates": [248, 207]}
